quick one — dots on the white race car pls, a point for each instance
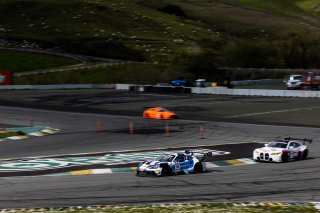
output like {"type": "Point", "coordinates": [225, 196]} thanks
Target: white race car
{"type": "Point", "coordinates": [282, 150]}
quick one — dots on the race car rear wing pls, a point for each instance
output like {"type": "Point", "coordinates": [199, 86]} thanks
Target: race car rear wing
{"type": "Point", "coordinates": [201, 154]}
{"type": "Point", "coordinates": [304, 140]}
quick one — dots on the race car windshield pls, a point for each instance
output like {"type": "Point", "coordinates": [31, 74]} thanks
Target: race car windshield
{"type": "Point", "coordinates": [163, 110]}
{"type": "Point", "coordinates": [278, 145]}
{"type": "Point", "coordinates": [165, 158]}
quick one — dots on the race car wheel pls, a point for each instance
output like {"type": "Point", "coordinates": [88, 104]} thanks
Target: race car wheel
{"type": "Point", "coordinates": [198, 168]}
{"type": "Point", "coordinates": [299, 157]}
{"type": "Point", "coordinates": [284, 157]}
{"type": "Point", "coordinates": [166, 170]}
{"type": "Point", "coordinates": [305, 154]}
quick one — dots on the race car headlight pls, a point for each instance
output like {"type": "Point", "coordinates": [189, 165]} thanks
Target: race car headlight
{"type": "Point", "coordinates": [276, 153]}
{"type": "Point", "coordinates": [256, 152]}
{"type": "Point", "coordinates": [157, 165]}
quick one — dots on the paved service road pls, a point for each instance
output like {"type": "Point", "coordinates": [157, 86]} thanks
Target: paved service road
{"type": "Point", "coordinates": [294, 181]}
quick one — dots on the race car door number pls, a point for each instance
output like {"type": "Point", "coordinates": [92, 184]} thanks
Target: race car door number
{"type": "Point", "coordinates": [177, 165]}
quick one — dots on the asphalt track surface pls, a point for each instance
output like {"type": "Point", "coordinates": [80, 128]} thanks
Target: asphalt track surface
{"type": "Point", "coordinates": [226, 120]}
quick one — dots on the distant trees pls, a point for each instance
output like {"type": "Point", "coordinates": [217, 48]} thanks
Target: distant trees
{"type": "Point", "coordinates": [255, 54]}
{"type": "Point", "coordinates": [172, 10]}
{"type": "Point", "coordinates": [195, 65]}
{"type": "Point", "coordinates": [292, 49]}
{"type": "Point", "coordinates": [299, 49]}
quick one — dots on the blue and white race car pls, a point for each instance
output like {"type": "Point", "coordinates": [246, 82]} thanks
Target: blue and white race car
{"type": "Point", "coordinates": [191, 161]}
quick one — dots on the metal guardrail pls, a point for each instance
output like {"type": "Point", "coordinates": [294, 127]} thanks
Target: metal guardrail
{"type": "Point", "coordinates": [257, 82]}
{"type": "Point", "coordinates": [58, 86]}
{"type": "Point", "coordinates": [166, 89]}
{"type": "Point", "coordinates": [222, 91]}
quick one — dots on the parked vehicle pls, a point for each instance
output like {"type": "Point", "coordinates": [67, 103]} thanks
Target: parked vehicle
{"type": "Point", "coordinates": [306, 82]}
{"type": "Point", "coordinates": [179, 82]}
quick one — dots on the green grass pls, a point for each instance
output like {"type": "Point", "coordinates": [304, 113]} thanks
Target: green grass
{"type": "Point", "coordinates": [205, 208]}
{"type": "Point", "coordinates": [20, 61]}
{"type": "Point", "coordinates": [64, 22]}
{"type": "Point", "coordinates": [127, 73]}
{"type": "Point", "coordinates": [137, 31]}
{"type": "Point", "coordinates": [284, 7]}
{"type": "Point", "coordinates": [139, 26]}
{"type": "Point", "coordinates": [4, 133]}
{"type": "Point", "coordinates": [308, 5]}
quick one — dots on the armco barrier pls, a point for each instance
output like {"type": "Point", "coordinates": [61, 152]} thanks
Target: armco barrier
{"type": "Point", "coordinates": [168, 89]}
{"type": "Point", "coordinates": [151, 88]}
{"type": "Point", "coordinates": [123, 86]}
{"type": "Point", "coordinates": [58, 86]}
{"type": "Point", "coordinates": [256, 92]}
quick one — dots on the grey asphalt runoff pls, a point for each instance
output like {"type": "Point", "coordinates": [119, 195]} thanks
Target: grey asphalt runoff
{"type": "Point", "coordinates": [226, 119]}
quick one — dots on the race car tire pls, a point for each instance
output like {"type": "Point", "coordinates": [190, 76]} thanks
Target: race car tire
{"type": "Point", "coordinates": [198, 168]}
{"type": "Point", "coordinates": [305, 154]}
{"type": "Point", "coordinates": [166, 170]}
{"type": "Point", "coordinates": [284, 157]}
{"type": "Point", "coordinates": [300, 156]}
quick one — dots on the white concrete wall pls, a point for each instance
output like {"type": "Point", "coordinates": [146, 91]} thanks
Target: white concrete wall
{"type": "Point", "coordinates": [256, 92]}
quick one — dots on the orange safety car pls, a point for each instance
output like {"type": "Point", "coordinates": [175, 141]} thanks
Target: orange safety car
{"type": "Point", "coordinates": [159, 113]}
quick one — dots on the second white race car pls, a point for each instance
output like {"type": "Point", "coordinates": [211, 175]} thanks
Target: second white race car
{"type": "Point", "coordinates": [284, 150]}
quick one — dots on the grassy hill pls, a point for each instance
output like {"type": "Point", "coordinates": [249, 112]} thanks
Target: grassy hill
{"type": "Point", "coordinates": [87, 26]}
{"type": "Point", "coordinates": [153, 31]}
{"type": "Point", "coordinates": [21, 61]}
